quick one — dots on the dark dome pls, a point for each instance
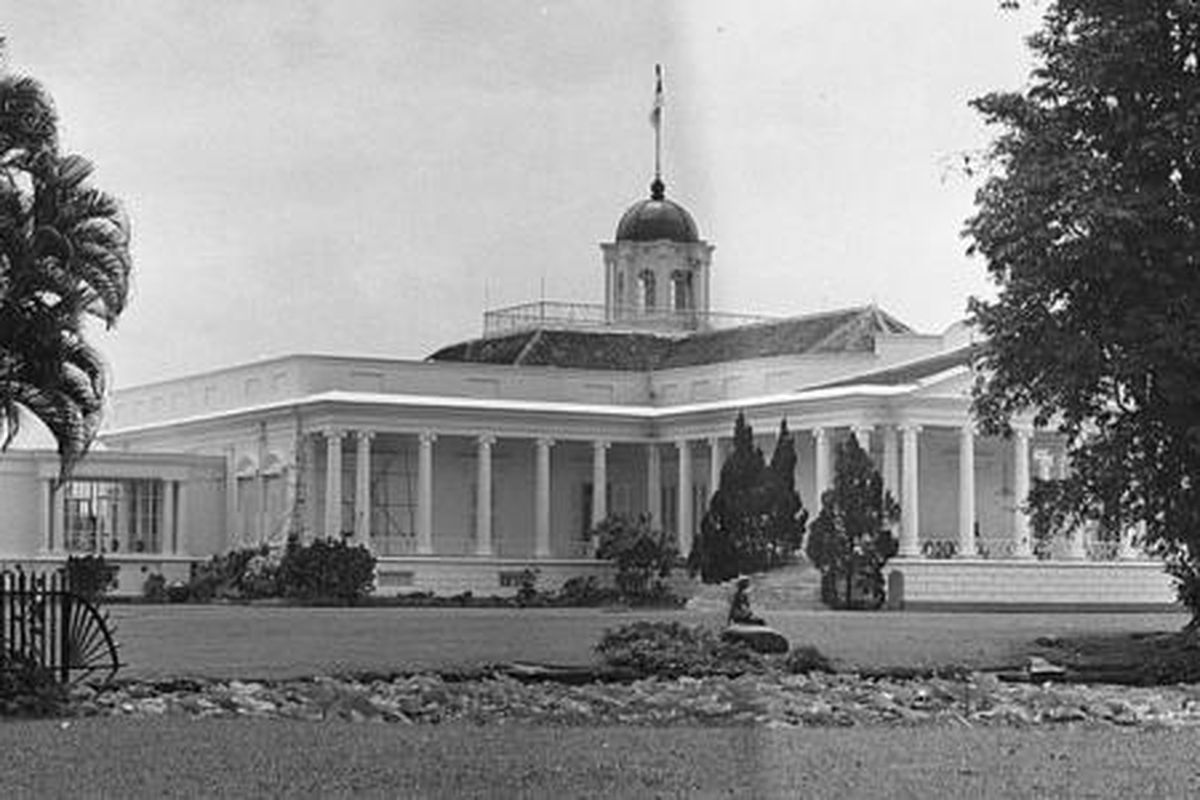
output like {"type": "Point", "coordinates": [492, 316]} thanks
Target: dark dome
{"type": "Point", "coordinates": [657, 218]}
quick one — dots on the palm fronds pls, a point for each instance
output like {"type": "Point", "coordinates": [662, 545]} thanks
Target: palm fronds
{"type": "Point", "coordinates": [64, 253]}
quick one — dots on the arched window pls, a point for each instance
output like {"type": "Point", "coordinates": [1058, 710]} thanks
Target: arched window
{"type": "Point", "coordinates": [681, 291]}
{"type": "Point", "coordinates": [648, 297]}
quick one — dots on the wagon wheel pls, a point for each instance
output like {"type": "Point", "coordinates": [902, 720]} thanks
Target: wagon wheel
{"type": "Point", "coordinates": [88, 645]}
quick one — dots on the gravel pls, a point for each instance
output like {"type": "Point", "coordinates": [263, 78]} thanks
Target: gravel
{"type": "Point", "coordinates": [772, 700]}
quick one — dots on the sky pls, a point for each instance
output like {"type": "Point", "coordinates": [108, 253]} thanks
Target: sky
{"type": "Point", "coordinates": [365, 177]}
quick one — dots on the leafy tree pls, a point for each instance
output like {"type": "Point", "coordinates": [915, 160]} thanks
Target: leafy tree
{"type": "Point", "coordinates": [64, 255]}
{"type": "Point", "coordinates": [755, 520]}
{"type": "Point", "coordinates": [850, 540]}
{"type": "Point", "coordinates": [643, 556]}
{"type": "Point", "coordinates": [1089, 221]}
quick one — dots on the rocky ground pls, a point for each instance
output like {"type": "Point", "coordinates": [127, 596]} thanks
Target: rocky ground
{"type": "Point", "coordinates": [771, 699]}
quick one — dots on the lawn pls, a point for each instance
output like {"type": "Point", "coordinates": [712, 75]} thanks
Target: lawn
{"type": "Point", "coordinates": [275, 642]}
{"type": "Point", "coordinates": [182, 757]}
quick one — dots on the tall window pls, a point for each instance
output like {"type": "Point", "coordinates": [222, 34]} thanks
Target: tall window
{"type": "Point", "coordinates": [248, 504]}
{"type": "Point", "coordinates": [393, 503]}
{"type": "Point", "coordinates": [670, 509]}
{"type": "Point", "coordinates": [649, 297]}
{"type": "Point", "coordinates": [113, 516]}
{"type": "Point", "coordinates": [681, 291]}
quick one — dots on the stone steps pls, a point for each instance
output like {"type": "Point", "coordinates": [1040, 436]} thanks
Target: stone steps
{"type": "Point", "coordinates": [792, 588]}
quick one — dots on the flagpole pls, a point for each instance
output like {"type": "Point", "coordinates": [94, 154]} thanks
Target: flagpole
{"type": "Point", "coordinates": [658, 103]}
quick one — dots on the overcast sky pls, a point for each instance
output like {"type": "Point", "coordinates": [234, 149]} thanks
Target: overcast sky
{"type": "Point", "coordinates": [360, 177]}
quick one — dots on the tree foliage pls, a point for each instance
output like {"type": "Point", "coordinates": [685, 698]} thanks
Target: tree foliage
{"type": "Point", "coordinates": [64, 255]}
{"type": "Point", "coordinates": [643, 556]}
{"type": "Point", "coordinates": [755, 520]}
{"type": "Point", "coordinates": [1089, 222]}
{"type": "Point", "coordinates": [850, 540]}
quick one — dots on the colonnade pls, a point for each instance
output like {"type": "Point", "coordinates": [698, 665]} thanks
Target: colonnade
{"type": "Point", "coordinates": [899, 449]}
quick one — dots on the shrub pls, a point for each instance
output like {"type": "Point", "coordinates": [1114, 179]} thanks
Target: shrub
{"type": "Point", "coordinates": [643, 556]}
{"type": "Point", "coordinates": [28, 689]}
{"type": "Point", "coordinates": [585, 591]}
{"type": "Point", "coordinates": [804, 659]}
{"type": "Point", "coordinates": [326, 570]}
{"type": "Point", "coordinates": [246, 573]}
{"type": "Point", "coordinates": [91, 576]}
{"type": "Point", "coordinates": [670, 649]}
{"type": "Point", "coordinates": [527, 592]}
{"type": "Point", "coordinates": [154, 588]}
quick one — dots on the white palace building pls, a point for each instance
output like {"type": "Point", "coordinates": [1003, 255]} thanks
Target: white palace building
{"type": "Point", "coordinates": [499, 453]}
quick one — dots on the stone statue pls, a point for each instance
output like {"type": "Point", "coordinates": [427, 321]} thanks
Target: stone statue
{"type": "Point", "coordinates": [739, 605]}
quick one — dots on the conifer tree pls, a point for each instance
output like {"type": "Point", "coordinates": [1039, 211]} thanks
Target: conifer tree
{"type": "Point", "coordinates": [850, 540]}
{"type": "Point", "coordinates": [755, 520]}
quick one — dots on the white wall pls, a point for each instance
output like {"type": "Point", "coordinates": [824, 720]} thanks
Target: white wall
{"type": "Point", "coordinates": [1033, 584]}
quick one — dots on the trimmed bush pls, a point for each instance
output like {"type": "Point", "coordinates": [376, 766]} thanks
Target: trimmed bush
{"type": "Point", "coordinates": [154, 588]}
{"type": "Point", "coordinates": [671, 650]}
{"type": "Point", "coordinates": [248, 573]}
{"type": "Point", "coordinates": [91, 576]}
{"type": "Point", "coordinates": [326, 570]}
{"type": "Point", "coordinates": [585, 591]}
{"type": "Point", "coordinates": [643, 557]}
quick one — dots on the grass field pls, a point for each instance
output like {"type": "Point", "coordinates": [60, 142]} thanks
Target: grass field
{"type": "Point", "coordinates": [178, 757]}
{"type": "Point", "coordinates": [267, 641]}
{"type": "Point", "coordinates": [188, 757]}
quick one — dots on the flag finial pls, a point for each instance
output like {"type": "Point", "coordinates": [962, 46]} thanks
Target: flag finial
{"type": "Point", "coordinates": [656, 121]}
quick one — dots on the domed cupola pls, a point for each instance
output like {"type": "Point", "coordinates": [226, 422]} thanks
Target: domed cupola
{"type": "Point", "coordinates": [657, 219]}
{"type": "Point", "coordinates": [656, 269]}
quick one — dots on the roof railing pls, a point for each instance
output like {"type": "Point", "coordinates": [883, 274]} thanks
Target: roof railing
{"type": "Point", "coordinates": [560, 315]}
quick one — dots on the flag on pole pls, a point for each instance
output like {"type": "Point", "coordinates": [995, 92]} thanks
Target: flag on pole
{"type": "Point", "coordinates": [656, 109]}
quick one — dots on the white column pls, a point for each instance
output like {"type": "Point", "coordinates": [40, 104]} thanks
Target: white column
{"type": "Point", "coordinates": [425, 493]}
{"type": "Point", "coordinates": [910, 520]}
{"type": "Point", "coordinates": [310, 522]}
{"type": "Point", "coordinates": [654, 484]}
{"type": "Point", "coordinates": [47, 516]}
{"type": "Point", "coordinates": [966, 492]}
{"type": "Point", "coordinates": [714, 465]}
{"type": "Point", "coordinates": [166, 530]}
{"type": "Point", "coordinates": [862, 434]}
{"type": "Point", "coordinates": [824, 457]}
{"type": "Point", "coordinates": [483, 497]}
{"type": "Point", "coordinates": [684, 497]}
{"type": "Point", "coordinates": [179, 541]}
{"type": "Point", "coordinates": [232, 534]}
{"type": "Point", "coordinates": [1023, 544]}
{"type": "Point", "coordinates": [58, 518]}
{"type": "Point", "coordinates": [891, 461]}
{"type": "Point", "coordinates": [362, 489]}
{"type": "Point", "coordinates": [333, 483]}
{"type": "Point", "coordinates": [599, 481]}
{"type": "Point", "coordinates": [542, 500]}
{"type": "Point", "coordinates": [261, 525]}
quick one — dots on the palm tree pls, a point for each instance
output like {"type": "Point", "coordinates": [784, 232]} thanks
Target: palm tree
{"type": "Point", "coordinates": [64, 256]}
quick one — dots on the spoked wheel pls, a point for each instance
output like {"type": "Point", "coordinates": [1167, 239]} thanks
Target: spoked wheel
{"type": "Point", "coordinates": [88, 647]}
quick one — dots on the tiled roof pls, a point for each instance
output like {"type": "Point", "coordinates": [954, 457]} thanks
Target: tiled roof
{"type": "Point", "coordinates": [911, 372]}
{"type": "Point", "coordinates": [850, 330]}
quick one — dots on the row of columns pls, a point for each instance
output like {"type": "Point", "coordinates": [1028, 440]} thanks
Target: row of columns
{"type": "Point", "coordinates": [332, 523]}
{"type": "Point", "coordinates": [901, 465]}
